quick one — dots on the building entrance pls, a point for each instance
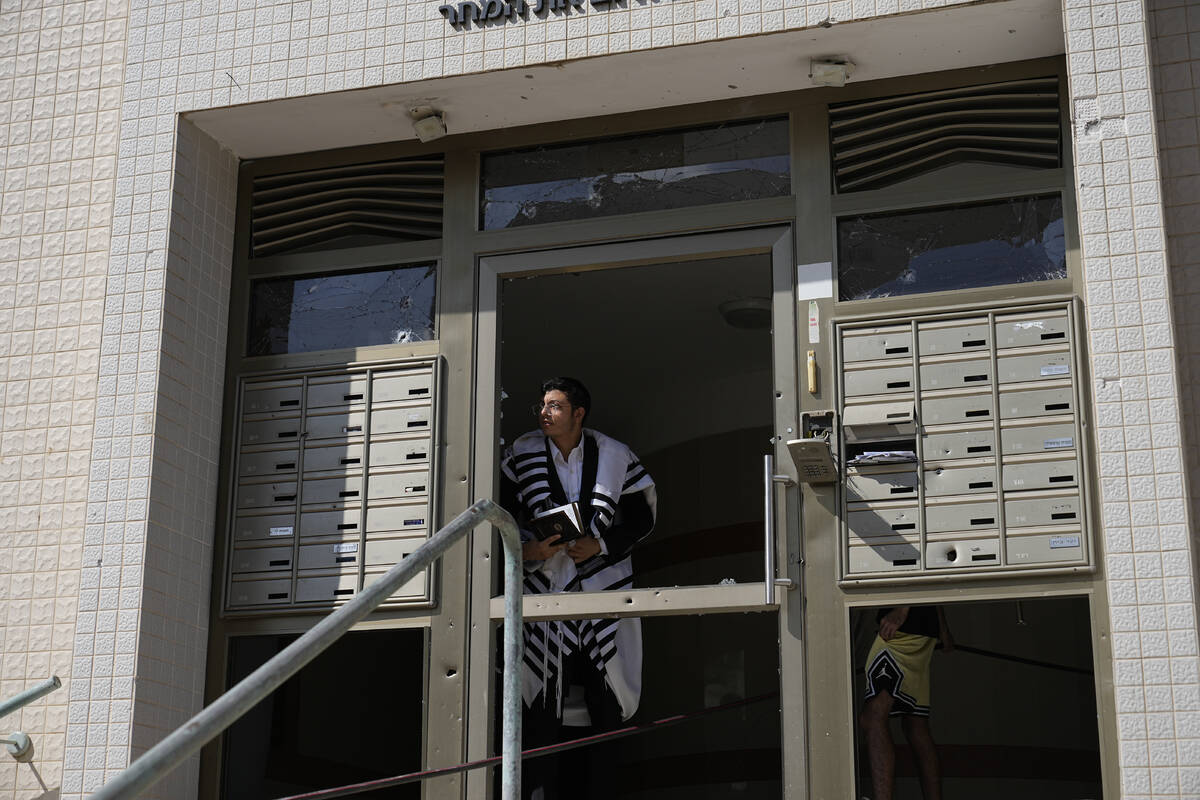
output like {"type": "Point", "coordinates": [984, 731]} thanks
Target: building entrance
{"type": "Point", "coordinates": [678, 354]}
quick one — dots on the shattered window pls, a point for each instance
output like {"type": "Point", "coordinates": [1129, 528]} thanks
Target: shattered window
{"type": "Point", "coordinates": [1015, 240]}
{"type": "Point", "coordinates": [346, 309]}
{"type": "Point", "coordinates": [646, 172]}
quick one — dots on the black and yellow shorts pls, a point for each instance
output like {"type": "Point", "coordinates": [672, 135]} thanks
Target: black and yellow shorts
{"type": "Point", "coordinates": [900, 667]}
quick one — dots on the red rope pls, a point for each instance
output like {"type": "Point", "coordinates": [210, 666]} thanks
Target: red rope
{"type": "Point", "coordinates": [535, 752]}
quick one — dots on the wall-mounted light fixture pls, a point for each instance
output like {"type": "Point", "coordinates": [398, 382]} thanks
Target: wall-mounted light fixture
{"type": "Point", "coordinates": [428, 123]}
{"type": "Point", "coordinates": [832, 71]}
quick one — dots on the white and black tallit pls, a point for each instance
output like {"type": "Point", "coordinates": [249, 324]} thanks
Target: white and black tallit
{"type": "Point", "coordinates": [614, 647]}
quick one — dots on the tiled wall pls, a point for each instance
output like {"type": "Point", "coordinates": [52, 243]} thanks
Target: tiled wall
{"type": "Point", "coordinates": [60, 91]}
{"type": "Point", "coordinates": [127, 536]}
{"type": "Point", "coordinates": [1151, 581]}
{"type": "Point", "coordinates": [158, 438]}
{"type": "Point", "coordinates": [1175, 27]}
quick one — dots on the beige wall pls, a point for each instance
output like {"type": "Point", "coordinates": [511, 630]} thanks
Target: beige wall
{"type": "Point", "coordinates": [1175, 28]}
{"type": "Point", "coordinates": [61, 73]}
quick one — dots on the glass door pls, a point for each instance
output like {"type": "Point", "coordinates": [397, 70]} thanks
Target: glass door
{"type": "Point", "coordinates": [687, 346]}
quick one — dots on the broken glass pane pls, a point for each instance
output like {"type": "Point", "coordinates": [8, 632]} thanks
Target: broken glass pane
{"type": "Point", "coordinates": [1015, 240]}
{"type": "Point", "coordinates": [347, 309]}
{"type": "Point", "coordinates": [646, 172]}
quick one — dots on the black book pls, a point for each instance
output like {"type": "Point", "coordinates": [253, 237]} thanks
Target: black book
{"type": "Point", "coordinates": [564, 522]}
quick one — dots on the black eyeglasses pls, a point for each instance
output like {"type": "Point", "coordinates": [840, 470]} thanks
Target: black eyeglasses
{"type": "Point", "coordinates": [554, 406]}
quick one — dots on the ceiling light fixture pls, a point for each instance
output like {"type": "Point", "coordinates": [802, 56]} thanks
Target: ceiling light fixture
{"type": "Point", "coordinates": [428, 123]}
{"type": "Point", "coordinates": [833, 71]}
{"type": "Point", "coordinates": [748, 313]}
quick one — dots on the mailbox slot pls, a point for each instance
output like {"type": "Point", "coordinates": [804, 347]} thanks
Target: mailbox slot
{"type": "Point", "coordinates": [1056, 474]}
{"type": "Point", "coordinates": [1037, 438]}
{"type": "Point", "coordinates": [953, 409]}
{"type": "Point", "coordinates": [1030, 330]}
{"type": "Point", "coordinates": [962, 553]}
{"type": "Point", "coordinates": [948, 338]}
{"type": "Point", "coordinates": [957, 444]}
{"type": "Point", "coordinates": [962, 478]}
{"type": "Point", "coordinates": [877, 344]}
{"type": "Point", "coordinates": [878, 380]}
{"type": "Point", "coordinates": [970, 374]}
{"type": "Point", "coordinates": [874, 484]}
{"type": "Point", "coordinates": [884, 557]}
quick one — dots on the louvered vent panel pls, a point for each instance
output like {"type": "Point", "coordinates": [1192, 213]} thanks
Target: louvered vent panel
{"type": "Point", "coordinates": [400, 200]}
{"type": "Point", "coordinates": [879, 142]}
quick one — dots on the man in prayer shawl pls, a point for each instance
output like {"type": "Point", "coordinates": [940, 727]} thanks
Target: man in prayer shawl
{"type": "Point", "coordinates": [898, 686]}
{"type": "Point", "coordinates": [577, 673]}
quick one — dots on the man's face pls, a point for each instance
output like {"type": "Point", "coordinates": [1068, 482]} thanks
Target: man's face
{"type": "Point", "coordinates": [558, 417]}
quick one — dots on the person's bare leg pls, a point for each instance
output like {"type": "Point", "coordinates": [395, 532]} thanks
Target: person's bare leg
{"type": "Point", "coordinates": [920, 739]}
{"type": "Point", "coordinates": [881, 753]}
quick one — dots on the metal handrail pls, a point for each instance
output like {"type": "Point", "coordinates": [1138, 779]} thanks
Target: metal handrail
{"type": "Point", "coordinates": [226, 709]}
{"type": "Point", "coordinates": [29, 695]}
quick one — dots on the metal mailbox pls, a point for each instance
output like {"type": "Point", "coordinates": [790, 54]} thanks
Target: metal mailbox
{"type": "Point", "coordinates": [268, 462]}
{"type": "Point", "coordinates": [879, 520]}
{"type": "Point", "coordinates": [342, 554]}
{"type": "Point", "coordinates": [1037, 438]}
{"type": "Point", "coordinates": [329, 460]}
{"type": "Point", "coordinates": [336, 425]}
{"type": "Point", "coordinates": [274, 526]}
{"type": "Point", "coordinates": [1037, 403]}
{"type": "Point", "coordinates": [879, 420]}
{"type": "Point", "coordinates": [959, 444]}
{"type": "Point", "coordinates": [877, 344]}
{"type": "Point", "coordinates": [1056, 474]}
{"type": "Point", "coordinates": [1039, 367]}
{"type": "Point", "coordinates": [339, 490]}
{"type": "Point", "coordinates": [327, 588]}
{"type": "Point", "coordinates": [282, 396]}
{"type": "Point", "coordinates": [334, 458]}
{"type": "Point", "coordinates": [275, 430]}
{"type": "Point", "coordinates": [387, 552]}
{"type": "Point", "coordinates": [878, 380]}
{"type": "Point", "coordinates": [951, 553]}
{"type": "Point", "coordinates": [337, 392]}
{"type": "Point", "coordinates": [1046, 548]}
{"type": "Point", "coordinates": [331, 523]}
{"type": "Point", "coordinates": [401, 452]}
{"type": "Point", "coordinates": [395, 386]}
{"type": "Point", "coordinates": [884, 557]}
{"type": "Point", "coordinates": [401, 420]}
{"type": "Point", "coordinates": [961, 517]}
{"type": "Point", "coordinates": [868, 484]}
{"type": "Point", "coordinates": [261, 559]}
{"type": "Point", "coordinates": [260, 592]}
{"type": "Point", "coordinates": [965, 478]}
{"type": "Point", "coordinates": [266, 495]}
{"type": "Point", "coordinates": [995, 480]}
{"type": "Point", "coordinates": [958, 408]}
{"type": "Point", "coordinates": [957, 374]}
{"type": "Point", "coordinates": [415, 588]}
{"type": "Point", "coordinates": [406, 517]}
{"type": "Point", "coordinates": [957, 336]}
{"type": "Point", "coordinates": [412, 483]}
{"type": "Point", "coordinates": [1043, 510]}
{"type": "Point", "coordinates": [1027, 330]}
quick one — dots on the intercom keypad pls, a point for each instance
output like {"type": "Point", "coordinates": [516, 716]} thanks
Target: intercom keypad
{"type": "Point", "coordinates": [989, 476]}
{"type": "Point", "coordinates": [333, 485]}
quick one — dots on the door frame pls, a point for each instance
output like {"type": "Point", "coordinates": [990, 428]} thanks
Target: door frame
{"type": "Point", "coordinates": [776, 241]}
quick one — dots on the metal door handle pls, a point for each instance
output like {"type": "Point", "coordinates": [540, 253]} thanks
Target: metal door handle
{"type": "Point", "coordinates": [769, 481]}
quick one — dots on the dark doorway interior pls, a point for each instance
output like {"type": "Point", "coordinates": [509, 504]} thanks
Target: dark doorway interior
{"type": "Point", "coordinates": [353, 714]}
{"type": "Point", "coordinates": [691, 394]}
{"type": "Point", "coordinates": [1013, 708]}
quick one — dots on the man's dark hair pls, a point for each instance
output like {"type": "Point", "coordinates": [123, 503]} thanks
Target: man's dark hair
{"type": "Point", "coordinates": [577, 394]}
